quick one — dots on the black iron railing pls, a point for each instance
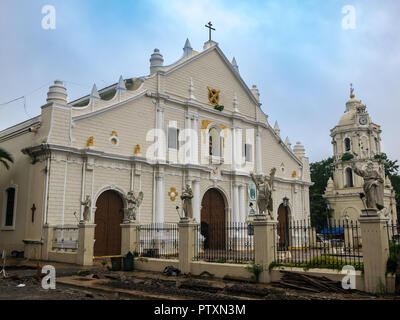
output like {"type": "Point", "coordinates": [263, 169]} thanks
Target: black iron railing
{"type": "Point", "coordinates": [393, 233]}
{"type": "Point", "coordinates": [297, 243]}
{"type": "Point", "coordinates": [231, 242]}
{"type": "Point", "coordinates": [158, 240]}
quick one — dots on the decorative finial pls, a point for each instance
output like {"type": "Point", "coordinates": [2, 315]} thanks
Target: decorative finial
{"type": "Point", "coordinates": [137, 149]}
{"type": "Point", "coordinates": [187, 49]}
{"type": "Point", "coordinates": [90, 142]}
{"type": "Point", "coordinates": [352, 95]}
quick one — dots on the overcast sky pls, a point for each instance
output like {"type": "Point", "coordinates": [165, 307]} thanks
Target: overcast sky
{"type": "Point", "coordinates": [296, 52]}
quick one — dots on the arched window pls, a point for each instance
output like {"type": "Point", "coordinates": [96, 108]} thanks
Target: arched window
{"type": "Point", "coordinates": [376, 145]}
{"type": "Point", "coordinates": [347, 144]}
{"type": "Point", "coordinates": [9, 207]}
{"type": "Point", "coordinates": [349, 178]}
{"type": "Point", "coordinates": [214, 142]}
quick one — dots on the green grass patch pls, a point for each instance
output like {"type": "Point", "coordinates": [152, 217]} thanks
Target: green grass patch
{"type": "Point", "coordinates": [391, 265]}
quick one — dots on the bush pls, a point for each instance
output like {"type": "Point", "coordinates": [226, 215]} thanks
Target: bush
{"type": "Point", "coordinates": [327, 262]}
{"type": "Point", "coordinates": [347, 156]}
{"type": "Point", "coordinates": [391, 265]}
{"type": "Point", "coordinates": [256, 270]}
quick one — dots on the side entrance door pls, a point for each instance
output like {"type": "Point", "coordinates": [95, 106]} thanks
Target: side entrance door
{"type": "Point", "coordinates": [108, 217]}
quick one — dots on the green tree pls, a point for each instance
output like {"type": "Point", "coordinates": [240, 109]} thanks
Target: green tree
{"type": "Point", "coordinates": [391, 167]}
{"type": "Point", "coordinates": [5, 158]}
{"type": "Point", "coordinates": [392, 171]}
{"type": "Point", "coordinates": [321, 171]}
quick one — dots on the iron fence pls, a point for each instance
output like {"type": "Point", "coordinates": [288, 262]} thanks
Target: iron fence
{"type": "Point", "coordinates": [158, 240]}
{"type": "Point", "coordinates": [65, 238]}
{"type": "Point", "coordinates": [231, 242]}
{"type": "Point", "coordinates": [393, 233]}
{"type": "Point", "coordinates": [297, 243]}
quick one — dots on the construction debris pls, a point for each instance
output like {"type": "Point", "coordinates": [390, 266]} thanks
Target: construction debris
{"type": "Point", "coordinates": [171, 271]}
{"type": "Point", "coordinates": [293, 280]}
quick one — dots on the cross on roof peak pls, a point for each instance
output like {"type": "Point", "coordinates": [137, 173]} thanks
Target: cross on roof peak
{"type": "Point", "coordinates": [209, 26]}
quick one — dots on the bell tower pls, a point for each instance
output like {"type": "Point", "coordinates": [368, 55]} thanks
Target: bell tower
{"type": "Point", "coordinates": [355, 140]}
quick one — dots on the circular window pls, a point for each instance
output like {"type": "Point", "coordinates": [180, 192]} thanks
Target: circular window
{"type": "Point", "coordinates": [114, 141]}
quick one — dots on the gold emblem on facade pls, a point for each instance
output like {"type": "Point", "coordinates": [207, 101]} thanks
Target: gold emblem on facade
{"type": "Point", "coordinates": [213, 96]}
{"type": "Point", "coordinates": [172, 193]}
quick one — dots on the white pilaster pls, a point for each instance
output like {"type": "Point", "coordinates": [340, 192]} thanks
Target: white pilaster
{"type": "Point", "coordinates": [196, 199]}
{"type": "Point", "coordinates": [161, 147]}
{"type": "Point", "coordinates": [236, 213]}
{"type": "Point", "coordinates": [194, 152]}
{"type": "Point", "coordinates": [242, 203]}
{"type": "Point", "coordinates": [234, 147]}
{"type": "Point", "coordinates": [258, 151]}
{"type": "Point", "coordinates": [238, 142]}
{"type": "Point", "coordinates": [159, 205]}
{"type": "Point", "coordinates": [188, 143]}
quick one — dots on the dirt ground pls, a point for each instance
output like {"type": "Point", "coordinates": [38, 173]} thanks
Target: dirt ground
{"type": "Point", "coordinates": [98, 283]}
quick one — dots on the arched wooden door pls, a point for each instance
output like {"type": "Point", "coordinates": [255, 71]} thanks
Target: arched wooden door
{"type": "Point", "coordinates": [283, 227]}
{"type": "Point", "coordinates": [108, 217]}
{"type": "Point", "coordinates": [213, 220]}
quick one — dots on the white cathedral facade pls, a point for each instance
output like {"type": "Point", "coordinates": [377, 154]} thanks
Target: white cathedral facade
{"type": "Point", "coordinates": [192, 122]}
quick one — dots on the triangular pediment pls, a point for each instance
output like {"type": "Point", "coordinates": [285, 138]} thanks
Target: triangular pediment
{"type": "Point", "coordinates": [210, 69]}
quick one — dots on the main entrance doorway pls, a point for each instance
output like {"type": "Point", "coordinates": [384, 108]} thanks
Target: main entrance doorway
{"type": "Point", "coordinates": [213, 220]}
{"type": "Point", "coordinates": [283, 227]}
{"type": "Point", "coordinates": [108, 217]}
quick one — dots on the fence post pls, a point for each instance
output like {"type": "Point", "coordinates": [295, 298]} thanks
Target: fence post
{"type": "Point", "coordinates": [264, 244]}
{"type": "Point", "coordinates": [186, 243]}
{"type": "Point", "coordinates": [129, 237]}
{"type": "Point", "coordinates": [47, 241]}
{"type": "Point", "coordinates": [85, 244]}
{"type": "Point", "coordinates": [375, 246]}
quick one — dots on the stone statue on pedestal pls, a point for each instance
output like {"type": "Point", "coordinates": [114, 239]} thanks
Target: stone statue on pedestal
{"type": "Point", "coordinates": [264, 192]}
{"type": "Point", "coordinates": [87, 203]}
{"type": "Point", "coordinates": [132, 205]}
{"type": "Point", "coordinates": [187, 195]}
{"type": "Point", "coordinates": [373, 186]}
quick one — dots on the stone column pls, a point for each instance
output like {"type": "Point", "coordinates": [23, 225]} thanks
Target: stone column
{"type": "Point", "coordinates": [242, 203]}
{"type": "Point", "coordinates": [196, 199]}
{"type": "Point", "coordinates": [186, 243]}
{"type": "Point", "coordinates": [258, 151]}
{"type": "Point", "coordinates": [236, 213]}
{"type": "Point", "coordinates": [47, 241]}
{"type": "Point", "coordinates": [129, 237]}
{"type": "Point", "coordinates": [159, 214]}
{"type": "Point", "coordinates": [85, 244]}
{"type": "Point", "coordinates": [375, 246]}
{"type": "Point", "coordinates": [264, 244]}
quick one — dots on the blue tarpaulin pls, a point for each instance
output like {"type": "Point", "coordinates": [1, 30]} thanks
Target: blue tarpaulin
{"type": "Point", "coordinates": [332, 231]}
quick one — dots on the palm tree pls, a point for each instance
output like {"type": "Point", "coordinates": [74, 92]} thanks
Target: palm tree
{"type": "Point", "coordinates": [4, 157]}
